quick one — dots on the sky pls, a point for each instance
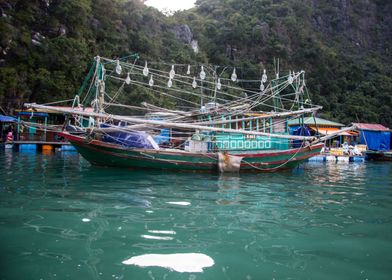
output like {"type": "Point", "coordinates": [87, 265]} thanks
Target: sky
{"type": "Point", "coordinates": [172, 5]}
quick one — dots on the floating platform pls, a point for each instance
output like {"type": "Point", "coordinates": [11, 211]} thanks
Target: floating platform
{"type": "Point", "coordinates": [333, 158]}
{"type": "Point", "coordinates": [44, 146]}
{"type": "Point", "coordinates": [68, 148]}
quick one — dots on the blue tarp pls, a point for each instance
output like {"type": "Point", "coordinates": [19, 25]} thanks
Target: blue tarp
{"type": "Point", "coordinates": [128, 139]}
{"type": "Point", "coordinates": [164, 137]}
{"type": "Point", "coordinates": [376, 140]}
{"type": "Point", "coordinates": [299, 130]}
{"type": "Point", "coordinates": [7, 119]}
{"type": "Point", "coordinates": [35, 114]}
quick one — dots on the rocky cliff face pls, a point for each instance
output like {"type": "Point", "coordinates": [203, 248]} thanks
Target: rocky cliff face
{"type": "Point", "coordinates": [360, 24]}
{"type": "Point", "coordinates": [344, 45]}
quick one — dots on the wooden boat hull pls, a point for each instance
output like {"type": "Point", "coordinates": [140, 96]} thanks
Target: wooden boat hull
{"type": "Point", "coordinates": [106, 154]}
{"type": "Point", "coordinates": [379, 155]}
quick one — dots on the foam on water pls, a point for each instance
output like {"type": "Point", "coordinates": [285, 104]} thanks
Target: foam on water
{"type": "Point", "coordinates": [181, 203]}
{"type": "Point", "coordinates": [162, 231]}
{"type": "Point", "coordinates": [157, 237]}
{"type": "Point", "coordinates": [189, 262]}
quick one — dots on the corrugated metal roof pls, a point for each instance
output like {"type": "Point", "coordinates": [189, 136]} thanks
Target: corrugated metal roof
{"type": "Point", "coordinates": [371, 126]}
{"type": "Point", "coordinates": [319, 121]}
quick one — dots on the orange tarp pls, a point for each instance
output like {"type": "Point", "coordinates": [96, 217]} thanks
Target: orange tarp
{"type": "Point", "coordinates": [329, 130]}
{"type": "Point", "coordinates": [325, 130]}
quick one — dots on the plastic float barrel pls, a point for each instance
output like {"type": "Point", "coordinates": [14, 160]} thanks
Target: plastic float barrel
{"type": "Point", "coordinates": [330, 158]}
{"type": "Point", "coordinates": [317, 158]}
{"type": "Point", "coordinates": [357, 159]}
{"type": "Point", "coordinates": [47, 148]}
{"type": "Point", "coordinates": [27, 147]}
{"type": "Point", "coordinates": [67, 148]}
{"type": "Point", "coordinates": [343, 159]}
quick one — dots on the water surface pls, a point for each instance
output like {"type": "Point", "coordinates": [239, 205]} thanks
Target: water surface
{"type": "Point", "coordinates": [61, 218]}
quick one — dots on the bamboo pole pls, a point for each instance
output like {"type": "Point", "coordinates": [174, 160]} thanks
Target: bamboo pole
{"type": "Point", "coordinates": [167, 124]}
{"type": "Point", "coordinates": [266, 116]}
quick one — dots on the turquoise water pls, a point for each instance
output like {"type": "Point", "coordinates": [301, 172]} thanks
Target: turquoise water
{"type": "Point", "coordinates": [61, 218]}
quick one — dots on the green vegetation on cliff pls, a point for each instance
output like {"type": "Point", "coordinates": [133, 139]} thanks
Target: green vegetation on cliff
{"type": "Point", "coordinates": [345, 46]}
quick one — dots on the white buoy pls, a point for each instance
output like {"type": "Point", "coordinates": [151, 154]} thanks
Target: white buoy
{"type": "Point", "coordinates": [172, 73]}
{"type": "Point", "coordinates": [264, 77]}
{"type": "Point", "coordinates": [128, 79]}
{"type": "Point", "coordinates": [194, 84]}
{"type": "Point", "coordinates": [290, 79]}
{"type": "Point", "coordinates": [118, 67]}
{"type": "Point", "coordinates": [234, 76]}
{"type": "Point", "coordinates": [219, 85]}
{"type": "Point", "coordinates": [262, 87]}
{"type": "Point", "coordinates": [145, 70]}
{"type": "Point", "coordinates": [202, 73]}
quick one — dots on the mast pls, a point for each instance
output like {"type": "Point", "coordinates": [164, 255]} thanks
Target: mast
{"type": "Point", "coordinates": [97, 107]}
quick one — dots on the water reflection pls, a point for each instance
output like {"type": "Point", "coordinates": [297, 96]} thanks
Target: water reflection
{"type": "Point", "coordinates": [8, 156]}
{"type": "Point", "coordinates": [335, 173]}
{"type": "Point", "coordinates": [229, 185]}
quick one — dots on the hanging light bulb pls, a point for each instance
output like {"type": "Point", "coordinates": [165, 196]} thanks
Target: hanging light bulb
{"type": "Point", "coordinates": [202, 73]}
{"type": "Point", "coordinates": [264, 77]}
{"type": "Point", "coordinates": [194, 84]}
{"type": "Point", "coordinates": [188, 72]}
{"type": "Point", "coordinates": [145, 70]}
{"type": "Point", "coordinates": [172, 73]}
{"type": "Point", "coordinates": [234, 76]}
{"type": "Point", "coordinates": [118, 67]}
{"type": "Point", "coordinates": [169, 83]}
{"type": "Point", "coordinates": [151, 82]}
{"type": "Point", "coordinates": [290, 79]}
{"type": "Point", "coordinates": [128, 79]}
{"type": "Point", "coordinates": [262, 87]}
{"type": "Point", "coordinates": [219, 85]}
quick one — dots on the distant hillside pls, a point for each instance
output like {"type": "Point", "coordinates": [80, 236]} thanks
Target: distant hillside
{"type": "Point", "coordinates": [345, 46]}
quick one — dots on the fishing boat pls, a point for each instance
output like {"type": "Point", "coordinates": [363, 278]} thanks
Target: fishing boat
{"type": "Point", "coordinates": [197, 118]}
{"type": "Point", "coordinates": [379, 155]}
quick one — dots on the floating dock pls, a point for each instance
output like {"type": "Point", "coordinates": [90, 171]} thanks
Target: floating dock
{"type": "Point", "coordinates": [334, 158]}
{"type": "Point", "coordinates": [44, 146]}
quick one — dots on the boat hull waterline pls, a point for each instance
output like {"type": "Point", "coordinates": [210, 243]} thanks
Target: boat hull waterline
{"type": "Point", "coordinates": [105, 154]}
